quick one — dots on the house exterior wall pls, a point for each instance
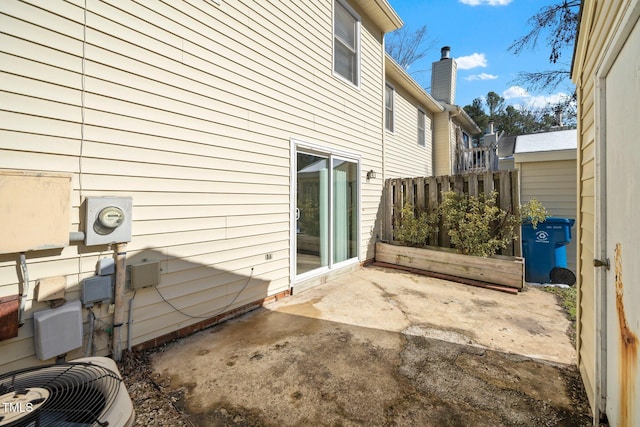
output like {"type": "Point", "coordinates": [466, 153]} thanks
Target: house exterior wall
{"type": "Point", "coordinates": [444, 132]}
{"type": "Point", "coordinates": [189, 109]}
{"type": "Point", "coordinates": [403, 156]}
{"type": "Point", "coordinates": [599, 24]}
{"type": "Point", "coordinates": [552, 183]}
{"type": "Point", "coordinates": [506, 164]}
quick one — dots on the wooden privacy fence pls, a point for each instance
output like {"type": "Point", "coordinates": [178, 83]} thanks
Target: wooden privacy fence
{"type": "Point", "coordinates": [425, 194]}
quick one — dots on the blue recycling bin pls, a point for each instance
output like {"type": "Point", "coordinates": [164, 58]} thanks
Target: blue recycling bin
{"type": "Point", "coordinates": [545, 248]}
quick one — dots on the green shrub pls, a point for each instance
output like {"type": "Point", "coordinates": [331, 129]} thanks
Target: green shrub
{"type": "Point", "coordinates": [534, 212]}
{"type": "Point", "coordinates": [412, 230]}
{"type": "Point", "coordinates": [476, 225]}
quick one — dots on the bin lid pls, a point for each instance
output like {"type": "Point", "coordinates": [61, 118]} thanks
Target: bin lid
{"type": "Point", "coordinates": [553, 220]}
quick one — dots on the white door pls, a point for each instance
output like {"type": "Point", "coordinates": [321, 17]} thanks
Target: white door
{"type": "Point", "coordinates": [326, 203]}
{"type": "Point", "coordinates": [622, 229]}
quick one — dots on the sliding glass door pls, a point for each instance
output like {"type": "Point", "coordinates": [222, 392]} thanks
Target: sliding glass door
{"type": "Point", "coordinates": [326, 211]}
{"type": "Point", "coordinates": [345, 210]}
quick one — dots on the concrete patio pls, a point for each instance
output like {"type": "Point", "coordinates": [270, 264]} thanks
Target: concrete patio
{"type": "Point", "coordinates": [383, 347]}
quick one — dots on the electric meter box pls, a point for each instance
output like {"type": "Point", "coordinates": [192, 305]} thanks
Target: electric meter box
{"type": "Point", "coordinates": [108, 220]}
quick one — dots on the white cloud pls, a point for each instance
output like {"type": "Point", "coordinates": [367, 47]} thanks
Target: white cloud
{"type": "Point", "coordinates": [544, 100]}
{"type": "Point", "coordinates": [515, 92]}
{"type": "Point", "coordinates": [471, 61]}
{"type": "Point", "coordinates": [486, 2]}
{"type": "Point", "coordinates": [481, 76]}
{"type": "Point", "coordinates": [529, 101]}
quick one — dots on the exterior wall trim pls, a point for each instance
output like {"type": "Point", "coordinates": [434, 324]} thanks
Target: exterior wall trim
{"type": "Point", "coordinates": [542, 156]}
{"type": "Point", "coordinates": [295, 145]}
{"type": "Point", "coordinates": [630, 16]}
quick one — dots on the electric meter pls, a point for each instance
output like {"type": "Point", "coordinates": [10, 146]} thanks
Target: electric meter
{"type": "Point", "coordinates": [110, 217]}
{"type": "Point", "coordinates": [108, 220]}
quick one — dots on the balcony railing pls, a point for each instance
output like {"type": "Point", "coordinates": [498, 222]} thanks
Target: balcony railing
{"type": "Point", "coordinates": [477, 159]}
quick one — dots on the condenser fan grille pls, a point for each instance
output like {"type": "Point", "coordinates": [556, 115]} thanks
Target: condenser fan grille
{"type": "Point", "coordinates": [73, 393]}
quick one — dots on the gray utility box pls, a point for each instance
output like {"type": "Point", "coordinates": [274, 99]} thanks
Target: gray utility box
{"type": "Point", "coordinates": [58, 330]}
{"type": "Point", "coordinates": [145, 274]}
{"type": "Point", "coordinates": [97, 289]}
{"type": "Point", "coordinates": [107, 220]}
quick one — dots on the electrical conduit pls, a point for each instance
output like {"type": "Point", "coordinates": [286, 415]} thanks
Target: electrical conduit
{"type": "Point", "coordinates": [118, 315]}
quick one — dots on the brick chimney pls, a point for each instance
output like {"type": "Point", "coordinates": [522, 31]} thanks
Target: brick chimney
{"type": "Point", "coordinates": [443, 77]}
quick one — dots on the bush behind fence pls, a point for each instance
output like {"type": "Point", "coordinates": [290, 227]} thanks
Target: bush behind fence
{"type": "Point", "coordinates": [425, 195]}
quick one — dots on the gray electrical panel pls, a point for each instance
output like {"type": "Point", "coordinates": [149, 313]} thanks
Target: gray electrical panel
{"type": "Point", "coordinates": [107, 220]}
{"type": "Point", "coordinates": [145, 274]}
{"type": "Point", "coordinates": [97, 289]}
{"type": "Point", "coordinates": [57, 330]}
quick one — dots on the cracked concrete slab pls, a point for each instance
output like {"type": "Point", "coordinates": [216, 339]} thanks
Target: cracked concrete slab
{"type": "Point", "coordinates": [381, 347]}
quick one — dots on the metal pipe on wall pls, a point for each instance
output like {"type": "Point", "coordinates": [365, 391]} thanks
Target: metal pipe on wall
{"type": "Point", "coordinates": [76, 236]}
{"type": "Point", "coordinates": [25, 288]}
{"type": "Point", "coordinates": [129, 322]}
{"type": "Point", "coordinates": [118, 315]}
{"type": "Point", "coordinates": [89, 349]}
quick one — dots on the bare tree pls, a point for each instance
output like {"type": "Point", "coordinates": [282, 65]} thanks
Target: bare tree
{"type": "Point", "coordinates": [542, 80]}
{"type": "Point", "coordinates": [407, 47]}
{"type": "Point", "coordinates": [558, 24]}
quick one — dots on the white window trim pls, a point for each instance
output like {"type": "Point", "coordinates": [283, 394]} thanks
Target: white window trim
{"type": "Point", "coordinates": [296, 145]}
{"type": "Point", "coordinates": [393, 108]}
{"type": "Point", "coordinates": [423, 114]}
{"type": "Point", "coordinates": [357, 41]}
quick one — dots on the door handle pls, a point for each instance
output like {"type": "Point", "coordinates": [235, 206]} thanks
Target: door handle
{"type": "Point", "coordinates": [602, 263]}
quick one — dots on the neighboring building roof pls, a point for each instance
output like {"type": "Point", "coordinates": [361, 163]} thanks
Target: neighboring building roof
{"type": "Point", "coordinates": [381, 13]}
{"type": "Point", "coordinates": [547, 141]}
{"type": "Point", "coordinates": [506, 146]}
{"type": "Point", "coordinates": [394, 71]}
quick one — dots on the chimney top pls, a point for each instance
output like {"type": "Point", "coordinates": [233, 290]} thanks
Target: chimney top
{"type": "Point", "coordinates": [444, 52]}
{"type": "Point", "coordinates": [559, 116]}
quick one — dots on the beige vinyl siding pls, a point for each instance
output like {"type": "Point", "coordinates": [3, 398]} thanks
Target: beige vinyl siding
{"type": "Point", "coordinates": [403, 156]}
{"type": "Point", "coordinates": [597, 25]}
{"type": "Point", "coordinates": [442, 144]}
{"type": "Point", "coordinates": [553, 183]}
{"type": "Point", "coordinates": [506, 164]}
{"type": "Point", "coordinates": [188, 108]}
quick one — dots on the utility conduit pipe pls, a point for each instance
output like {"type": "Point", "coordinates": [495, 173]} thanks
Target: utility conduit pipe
{"type": "Point", "coordinates": [118, 315]}
{"type": "Point", "coordinates": [25, 288]}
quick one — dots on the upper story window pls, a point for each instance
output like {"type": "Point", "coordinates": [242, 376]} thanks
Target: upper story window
{"type": "Point", "coordinates": [388, 107]}
{"type": "Point", "coordinates": [422, 123]}
{"type": "Point", "coordinates": [346, 42]}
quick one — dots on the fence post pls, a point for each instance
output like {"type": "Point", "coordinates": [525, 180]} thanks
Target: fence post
{"type": "Point", "coordinates": [505, 202]}
{"type": "Point", "coordinates": [473, 184]}
{"type": "Point", "coordinates": [433, 206]}
{"type": "Point", "coordinates": [388, 211]}
{"type": "Point", "coordinates": [488, 184]}
{"type": "Point", "coordinates": [421, 203]}
{"type": "Point", "coordinates": [515, 202]}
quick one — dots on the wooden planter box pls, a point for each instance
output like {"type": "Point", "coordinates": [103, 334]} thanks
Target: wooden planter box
{"type": "Point", "coordinates": [498, 269]}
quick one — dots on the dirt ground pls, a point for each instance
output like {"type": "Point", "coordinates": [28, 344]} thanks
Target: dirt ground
{"type": "Point", "coordinates": [377, 347]}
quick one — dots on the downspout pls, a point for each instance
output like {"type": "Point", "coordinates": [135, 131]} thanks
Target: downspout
{"type": "Point", "coordinates": [384, 233]}
{"type": "Point", "coordinates": [118, 315]}
{"type": "Point", "coordinates": [453, 150]}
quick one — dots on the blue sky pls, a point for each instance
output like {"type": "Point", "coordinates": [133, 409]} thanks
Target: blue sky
{"type": "Point", "coordinates": [479, 33]}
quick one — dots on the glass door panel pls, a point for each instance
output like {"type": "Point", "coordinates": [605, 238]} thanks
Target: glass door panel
{"type": "Point", "coordinates": [312, 212]}
{"type": "Point", "coordinates": [345, 210]}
